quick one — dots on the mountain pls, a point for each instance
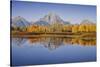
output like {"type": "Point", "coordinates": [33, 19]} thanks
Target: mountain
{"type": "Point", "coordinates": [19, 22]}
{"type": "Point", "coordinates": [42, 23]}
{"type": "Point", "coordinates": [50, 18]}
{"type": "Point", "coordinates": [66, 22]}
{"type": "Point", "coordinates": [86, 22]}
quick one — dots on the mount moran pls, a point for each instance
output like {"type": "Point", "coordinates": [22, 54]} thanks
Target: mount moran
{"type": "Point", "coordinates": [48, 19]}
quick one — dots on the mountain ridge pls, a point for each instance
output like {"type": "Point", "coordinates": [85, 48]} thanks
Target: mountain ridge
{"type": "Point", "coordinates": [48, 19]}
{"type": "Point", "coordinates": [19, 21]}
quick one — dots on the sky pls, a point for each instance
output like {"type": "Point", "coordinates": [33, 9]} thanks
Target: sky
{"type": "Point", "coordinates": [33, 11]}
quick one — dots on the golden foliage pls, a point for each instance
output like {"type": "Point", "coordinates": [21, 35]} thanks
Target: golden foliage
{"type": "Point", "coordinates": [75, 28]}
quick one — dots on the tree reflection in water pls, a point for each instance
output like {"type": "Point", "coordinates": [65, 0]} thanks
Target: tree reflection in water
{"type": "Point", "coordinates": [19, 41]}
{"type": "Point", "coordinates": [53, 42]}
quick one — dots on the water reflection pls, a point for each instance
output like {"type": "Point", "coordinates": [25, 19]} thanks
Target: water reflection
{"type": "Point", "coordinates": [44, 50]}
{"type": "Point", "coordinates": [18, 41]}
{"type": "Point", "coordinates": [53, 42]}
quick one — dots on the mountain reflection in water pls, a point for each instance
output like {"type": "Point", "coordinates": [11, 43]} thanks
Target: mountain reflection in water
{"type": "Point", "coordinates": [54, 42]}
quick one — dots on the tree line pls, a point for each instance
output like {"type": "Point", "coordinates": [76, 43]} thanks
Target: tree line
{"type": "Point", "coordinates": [74, 28]}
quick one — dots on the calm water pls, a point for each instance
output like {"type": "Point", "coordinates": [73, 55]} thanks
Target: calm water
{"type": "Point", "coordinates": [33, 51]}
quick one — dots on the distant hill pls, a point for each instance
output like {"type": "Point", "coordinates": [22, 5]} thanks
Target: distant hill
{"type": "Point", "coordinates": [86, 22]}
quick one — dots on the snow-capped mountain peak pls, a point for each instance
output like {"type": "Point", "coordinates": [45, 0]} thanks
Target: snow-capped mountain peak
{"type": "Point", "coordinates": [52, 18]}
{"type": "Point", "coordinates": [19, 21]}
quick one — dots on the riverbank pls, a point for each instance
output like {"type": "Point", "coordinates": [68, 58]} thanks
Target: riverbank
{"type": "Point", "coordinates": [54, 34]}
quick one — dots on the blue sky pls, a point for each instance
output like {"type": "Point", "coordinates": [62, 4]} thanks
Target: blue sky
{"type": "Point", "coordinates": [33, 11]}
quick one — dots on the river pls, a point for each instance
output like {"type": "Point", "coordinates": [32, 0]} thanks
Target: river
{"type": "Point", "coordinates": [51, 50]}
